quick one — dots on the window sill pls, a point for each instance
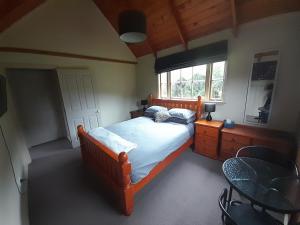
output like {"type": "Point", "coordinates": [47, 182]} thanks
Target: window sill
{"type": "Point", "coordinates": [218, 102]}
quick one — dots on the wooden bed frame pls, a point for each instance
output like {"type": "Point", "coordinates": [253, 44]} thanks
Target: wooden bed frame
{"type": "Point", "coordinates": [115, 170]}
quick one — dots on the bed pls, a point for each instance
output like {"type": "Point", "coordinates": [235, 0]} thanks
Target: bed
{"type": "Point", "coordinates": [127, 173]}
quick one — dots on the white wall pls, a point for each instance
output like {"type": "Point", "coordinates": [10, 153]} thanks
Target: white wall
{"type": "Point", "coordinates": [38, 101]}
{"type": "Point", "coordinates": [298, 155]}
{"type": "Point", "coordinates": [73, 26]}
{"type": "Point", "coordinates": [298, 141]}
{"type": "Point", "coordinates": [13, 205]}
{"type": "Point", "coordinates": [79, 27]}
{"type": "Point", "coordinates": [114, 83]}
{"type": "Point", "coordinates": [280, 32]}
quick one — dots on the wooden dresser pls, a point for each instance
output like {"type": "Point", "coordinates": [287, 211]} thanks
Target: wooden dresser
{"type": "Point", "coordinates": [239, 136]}
{"type": "Point", "coordinates": [207, 137]}
{"type": "Point", "coordinates": [136, 113]}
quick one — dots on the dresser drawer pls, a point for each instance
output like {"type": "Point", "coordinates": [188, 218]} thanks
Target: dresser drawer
{"type": "Point", "coordinates": [207, 147]}
{"type": "Point", "coordinates": [136, 113]}
{"type": "Point", "coordinates": [241, 135]}
{"type": "Point", "coordinates": [236, 139]}
{"type": "Point", "coordinates": [207, 131]}
{"type": "Point", "coordinates": [208, 140]}
{"type": "Point", "coordinates": [231, 147]}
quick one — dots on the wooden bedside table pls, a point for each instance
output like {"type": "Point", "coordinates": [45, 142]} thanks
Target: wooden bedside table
{"type": "Point", "coordinates": [136, 113]}
{"type": "Point", "coordinates": [207, 137]}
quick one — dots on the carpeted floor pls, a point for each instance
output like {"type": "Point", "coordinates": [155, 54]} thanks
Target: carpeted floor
{"type": "Point", "coordinates": [61, 192]}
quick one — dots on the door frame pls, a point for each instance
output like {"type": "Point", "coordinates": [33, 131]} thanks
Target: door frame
{"type": "Point", "coordinates": [42, 67]}
{"type": "Point", "coordinates": [86, 71]}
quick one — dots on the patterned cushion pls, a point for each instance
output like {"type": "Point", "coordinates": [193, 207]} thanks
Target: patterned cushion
{"type": "Point", "coordinates": [162, 116]}
{"type": "Point", "coordinates": [150, 112]}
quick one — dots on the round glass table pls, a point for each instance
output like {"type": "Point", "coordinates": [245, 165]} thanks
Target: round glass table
{"type": "Point", "coordinates": [264, 184]}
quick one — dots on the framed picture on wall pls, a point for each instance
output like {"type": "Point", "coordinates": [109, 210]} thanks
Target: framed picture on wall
{"type": "Point", "coordinates": [3, 95]}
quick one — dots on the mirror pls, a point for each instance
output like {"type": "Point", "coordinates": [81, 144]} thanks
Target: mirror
{"type": "Point", "coordinates": [261, 88]}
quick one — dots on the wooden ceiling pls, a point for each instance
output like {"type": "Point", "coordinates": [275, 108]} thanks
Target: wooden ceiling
{"type": "Point", "coordinates": [13, 10]}
{"type": "Point", "coordinates": [173, 22]}
{"type": "Point", "coordinates": [170, 22]}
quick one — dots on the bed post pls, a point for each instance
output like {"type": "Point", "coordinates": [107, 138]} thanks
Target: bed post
{"type": "Point", "coordinates": [150, 99]}
{"type": "Point", "coordinates": [199, 108]}
{"type": "Point", "coordinates": [127, 195]}
{"type": "Point", "coordinates": [80, 132]}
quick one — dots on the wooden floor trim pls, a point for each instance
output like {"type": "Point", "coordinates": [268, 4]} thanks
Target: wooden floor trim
{"type": "Point", "coordinates": [63, 54]}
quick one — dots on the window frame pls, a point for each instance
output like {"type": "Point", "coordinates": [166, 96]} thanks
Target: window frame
{"type": "Point", "coordinates": [208, 84]}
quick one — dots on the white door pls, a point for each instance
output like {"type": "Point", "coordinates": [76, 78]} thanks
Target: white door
{"type": "Point", "coordinates": [79, 101]}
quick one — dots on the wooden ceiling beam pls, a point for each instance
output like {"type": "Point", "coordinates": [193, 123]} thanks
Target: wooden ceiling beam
{"type": "Point", "coordinates": [150, 45]}
{"type": "Point", "coordinates": [184, 20]}
{"type": "Point", "coordinates": [177, 23]}
{"type": "Point", "coordinates": [234, 18]}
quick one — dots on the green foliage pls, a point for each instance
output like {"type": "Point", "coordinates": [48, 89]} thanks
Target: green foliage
{"type": "Point", "coordinates": [190, 82]}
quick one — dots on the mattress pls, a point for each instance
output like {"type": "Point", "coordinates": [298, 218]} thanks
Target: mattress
{"type": "Point", "coordinates": [155, 141]}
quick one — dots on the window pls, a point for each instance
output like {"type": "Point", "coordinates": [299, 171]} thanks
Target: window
{"type": "Point", "coordinates": [188, 83]}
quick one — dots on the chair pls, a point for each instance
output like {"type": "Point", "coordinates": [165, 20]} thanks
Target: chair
{"type": "Point", "coordinates": [270, 155]}
{"type": "Point", "coordinates": [236, 213]}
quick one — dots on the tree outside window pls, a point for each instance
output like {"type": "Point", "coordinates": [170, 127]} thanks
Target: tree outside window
{"type": "Point", "coordinates": [188, 83]}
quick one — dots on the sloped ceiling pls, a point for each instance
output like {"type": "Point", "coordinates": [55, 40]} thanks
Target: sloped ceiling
{"type": "Point", "coordinates": [173, 22]}
{"type": "Point", "coordinates": [71, 26]}
{"type": "Point", "coordinates": [13, 10]}
{"type": "Point", "coordinates": [169, 22]}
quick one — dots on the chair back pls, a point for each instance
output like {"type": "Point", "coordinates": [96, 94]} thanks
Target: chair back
{"type": "Point", "coordinates": [269, 155]}
{"type": "Point", "coordinates": [223, 203]}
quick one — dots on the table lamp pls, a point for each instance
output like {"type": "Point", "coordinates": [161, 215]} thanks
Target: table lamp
{"type": "Point", "coordinates": [209, 107]}
{"type": "Point", "coordinates": [144, 102]}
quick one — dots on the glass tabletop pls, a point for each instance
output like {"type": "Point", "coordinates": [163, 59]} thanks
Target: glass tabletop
{"type": "Point", "coordinates": [265, 184]}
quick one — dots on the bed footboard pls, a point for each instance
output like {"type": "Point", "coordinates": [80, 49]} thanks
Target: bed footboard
{"type": "Point", "coordinates": [114, 170]}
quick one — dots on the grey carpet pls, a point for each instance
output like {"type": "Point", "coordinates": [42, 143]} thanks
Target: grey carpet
{"type": "Point", "coordinates": [61, 192]}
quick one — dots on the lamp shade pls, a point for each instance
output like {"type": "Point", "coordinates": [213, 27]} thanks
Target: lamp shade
{"type": "Point", "coordinates": [132, 26]}
{"type": "Point", "coordinates": [209, 107]}
{"type": "Point", "coordinates": [144, 102]}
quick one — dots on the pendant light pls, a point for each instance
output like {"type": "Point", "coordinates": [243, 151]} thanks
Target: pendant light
{"type": "Point", "coordinates": [132, 26]}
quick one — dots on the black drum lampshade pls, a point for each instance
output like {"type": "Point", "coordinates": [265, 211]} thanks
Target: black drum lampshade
{"type": "Point", "coordinates": [209, 107]}
{"type": "Point", "coordinates": [132, 26]}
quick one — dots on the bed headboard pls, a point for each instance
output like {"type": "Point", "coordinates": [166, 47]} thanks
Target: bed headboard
{"type": "Point", "coordinates": [195, 105]}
